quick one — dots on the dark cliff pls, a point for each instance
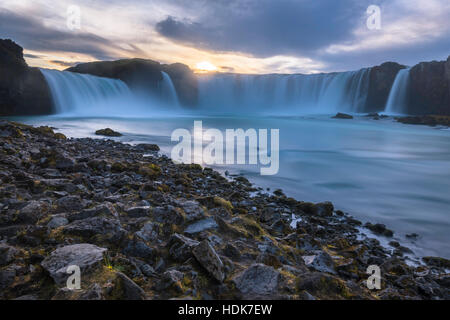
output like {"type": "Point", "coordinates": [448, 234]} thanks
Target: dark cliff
{"type": "Point", "coordinates": [429, 88]}
{"type": "Point", "coordinates": [23, 90]}
{"type": "Point", "coordinates": [381, 79]}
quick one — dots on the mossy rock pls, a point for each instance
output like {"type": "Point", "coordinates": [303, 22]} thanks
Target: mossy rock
{"type": "Point", "coordinates": [150, 170]}
{"type": "Point", "coordinates": [324, 286]}
{"type": "Point", "coordinates": [221, 202]}
{"type": "Point", "coordinates": [108, 132]}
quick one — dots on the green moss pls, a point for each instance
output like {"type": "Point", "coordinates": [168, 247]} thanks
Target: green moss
{"type": "Point", "coordinates": [221, 202]}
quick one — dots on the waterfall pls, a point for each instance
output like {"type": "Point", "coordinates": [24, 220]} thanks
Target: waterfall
{"type": "Point", "coordinates": [318, 93]}
{"type": "Point", "coordinates": [397, 99]}
{"type": "Point", "coordinates": [82, 93]}
{"type": "Point", "coordinates": [168, 92]}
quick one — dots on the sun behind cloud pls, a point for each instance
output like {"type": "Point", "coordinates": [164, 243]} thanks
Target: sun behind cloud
{"type": "Point", "coordinates": [205, 66]}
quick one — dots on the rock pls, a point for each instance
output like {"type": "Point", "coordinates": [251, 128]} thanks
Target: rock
{"type": "Point", "coordinates": [269, 215]}
{"type": "Point", "coordinates": [379, 229]}
{"type": "Point", "coordinates": [23, 90]}
{"type": "Point", "coordinates": [149, 232]}
{"type": "Point", "coordinates": [180, 247]}
{"type": "Point", "coordinates": [32, 212]}
{"type": "Point", "coordinates": [208, 258]}
{"type": "Point", "coordinates": [138, 212]}
{"type": "Point", "coordinates": [64, 162]}
{"type": "Point", "coordinates": [429, 120]}
{"type": "Point", "coordinates": [232, 252]}
{"type": "Point", "coordinates": [323, 285]}
{"type": "Point", "coordinates": [321, 261]}
{"type": "Point", "coordinates": [86, 256]}
{"type": "Point", "coordinates": [93, 293]}
{"type": "Point", "coordinates": [325, 209]}
{"type": "Point", "coordinates": [147, 270]}
{"type": "Point", "coordinates": [340, 115]}
{"type": "Point", "coordinates": [429, 88]}
{"type": "Point", "coordinates": [193, 210]}
{"type": "Point", "coordinates": [105, 209]}
{"type": "Point", "coordinates": [57, 222]}
{"type": "Point", "coordinates": [140, 249]}
{"type": "Point", "coordinates": [437, 262]}
{"type": "Point", "coordinates": [201, 225]}
{"type": "Point", "coordinates": [7, 277]}
{"type": "Point", "coordinates": [148, 147]}
{"type": "Point", "coordinates": [170, 279]}
{"type": "Point", "coordinates": [169, 215]}
{"type": "Point", "coordinates": [257, 280]}
{"type": "Point", "coordinates": [381, 79]}
{"type": "Point", "coordinates": [108, 132]}
{"type": "Point", "coordinates": [126, 289]}
{"type": "Point", "coordinates": [27, 297]}
{"type": "Point", "coordinates": [7, 254]}
{"type": "Point", "coordinates": [87, 228]}
{"type": "Point", "coordinates": [69, 203]}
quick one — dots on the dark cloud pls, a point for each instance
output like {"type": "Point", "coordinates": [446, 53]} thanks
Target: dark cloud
{"type": "Point", "coordinates": [64, 63]}
{"type": "Point", "coordinates": [266, 28]}
{"type": "Point", "coordinates": [32, 56]}
{"type": "Point", "coordinates": [32, 34]}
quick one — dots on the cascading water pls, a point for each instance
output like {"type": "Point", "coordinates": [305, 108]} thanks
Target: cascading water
{"type": "Point", "coordinates": [87, 95]}
{"type": "Point", "coordinates": [81, 93]}
{"type": "Point", "coordinates": [168, 91]}
{"type": "Point", "coordinates": [397, 99]}
{"type": "Point", "coordinates": [318, 93]}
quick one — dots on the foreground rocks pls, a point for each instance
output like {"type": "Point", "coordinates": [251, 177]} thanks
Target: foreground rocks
{"type": "Point", "coordinates": [141, 227]}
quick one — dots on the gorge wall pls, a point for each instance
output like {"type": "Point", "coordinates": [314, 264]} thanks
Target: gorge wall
{"type": "Point", "coordinates": [23, 90]}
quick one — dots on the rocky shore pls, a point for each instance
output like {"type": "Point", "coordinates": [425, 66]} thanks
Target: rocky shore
{"type": "Point", "coordinates": [142, 227]}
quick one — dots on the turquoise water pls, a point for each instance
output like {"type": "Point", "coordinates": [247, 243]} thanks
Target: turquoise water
{"type": "Point", "coordinates": [378, 171]}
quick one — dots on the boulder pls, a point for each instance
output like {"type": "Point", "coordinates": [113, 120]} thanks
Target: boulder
{"type": "Point", "coordinates": [108, 132]}
{"type": "Point", "coordinates": [340, 115]}
{"type": "Point", "coordinates": [201, 225]}
{"type": "Point", "coordinates": [126, 289]}
{"type": "Point", "coordinates": [57, 222]}
{"type": "Point", "coordinates": [208, 258]}
{"type": "Point", "coordinates": [7, 254]}
{"type": "Point", "coordinates": [257, 280]}
{"type": "Point", "coordinates": [180, 247]}
{"type": "Point", "coordinates": [84, 255]}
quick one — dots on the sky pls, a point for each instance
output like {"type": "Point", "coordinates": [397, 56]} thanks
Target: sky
{"type": "Point", "coordinates": [244, 36]}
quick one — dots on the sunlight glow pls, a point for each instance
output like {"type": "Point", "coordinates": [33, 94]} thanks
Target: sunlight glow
{"type": "Point", "coordinates": [205, 66]}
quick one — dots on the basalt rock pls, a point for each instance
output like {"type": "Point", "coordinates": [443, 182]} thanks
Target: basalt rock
{"type": "Point", "coordinates": [23, 90]}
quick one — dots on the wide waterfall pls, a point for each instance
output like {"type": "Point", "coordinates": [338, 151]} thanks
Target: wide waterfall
{"type": "Point", "coordinates": [397, 100]}
{"type": "Point", "coordinates": [88, 95]}
{"type": "Point", "coordinates": [75, 92]}
{"type": "Point", "coordinates": [296, 93]}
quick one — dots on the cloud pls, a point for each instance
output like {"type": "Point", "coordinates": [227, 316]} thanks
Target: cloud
{"type": "Point", "coordinates": [331, 33]}
{"type": "Point", "coordinates": [32, 34]}
{"type": "Point", "coordinates": [265, 28]}
{"type": "Point", "coordinates": [251, 36]}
